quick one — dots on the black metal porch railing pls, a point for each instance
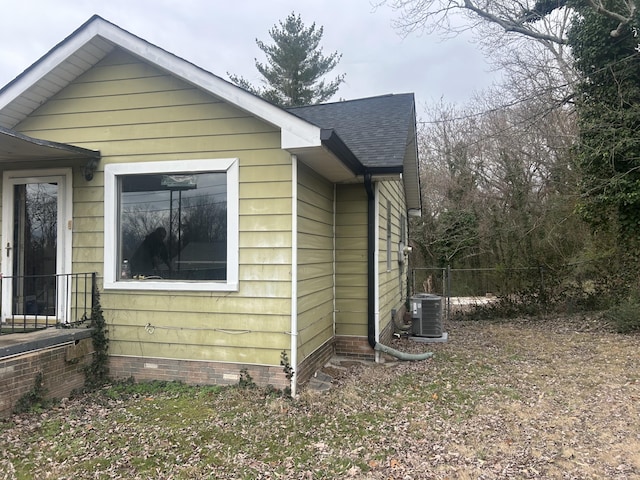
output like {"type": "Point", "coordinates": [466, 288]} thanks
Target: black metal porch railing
{"type": "Point", "coordinates": [39, 301]}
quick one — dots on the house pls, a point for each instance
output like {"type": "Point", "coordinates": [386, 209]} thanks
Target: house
{"type": "Point", "coordinates": [225, 232]}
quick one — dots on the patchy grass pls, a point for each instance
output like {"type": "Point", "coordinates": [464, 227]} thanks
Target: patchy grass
{"type": "Point", "coordinates": [544, 398]}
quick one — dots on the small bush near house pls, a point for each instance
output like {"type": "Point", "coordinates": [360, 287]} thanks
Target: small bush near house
{"type": "Point", "coordinates": [34, 399]}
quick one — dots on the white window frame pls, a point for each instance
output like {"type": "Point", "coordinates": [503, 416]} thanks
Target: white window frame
{"type": "Point", "coordinates": [111, 222]}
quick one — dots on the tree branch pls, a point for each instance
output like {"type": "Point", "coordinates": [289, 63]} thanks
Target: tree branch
{"type": "Point", "coordinates": [623, 20]}
{"type": "Point", "coordinates": [511, 26]}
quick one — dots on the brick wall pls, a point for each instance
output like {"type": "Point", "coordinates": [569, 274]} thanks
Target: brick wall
{"type": "Point", "coordinates": [359, 346]}
{"type": "Point", "coordinates": [62, 368]}
{"type": "Point", "coordinates": [213, 373]}
{"type": "Point", "coordinates": [387, 334]}
{"type": "Point", "coordinates": [354, 347]}
{"type": "Point", "coordinates": [193, 372]}
{"type": "Point", "coordinates": [315, 361]}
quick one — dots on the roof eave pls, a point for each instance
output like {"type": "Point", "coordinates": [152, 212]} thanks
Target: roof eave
{"type": "Point", "coordinates": [58, 150]}
{"type": "Point", "coordinates": [296, 132]}
{"type": "Point", "coordinates": [332, 141]}
{"type": "Point", "coordinates": [19, 149]}
{"type": "Point", "coordinates": [411, 169]}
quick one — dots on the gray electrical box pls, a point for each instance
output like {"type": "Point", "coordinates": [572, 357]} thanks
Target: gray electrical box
{"type": "Point", "coordinates": [426, 315]}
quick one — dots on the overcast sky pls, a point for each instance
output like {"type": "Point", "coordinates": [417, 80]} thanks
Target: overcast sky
{"type": "Point", "coordinates": [219, 36]}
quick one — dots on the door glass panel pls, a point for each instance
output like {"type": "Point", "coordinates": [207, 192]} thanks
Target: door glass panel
{"type": "Point", "coordinates": [35, 248]}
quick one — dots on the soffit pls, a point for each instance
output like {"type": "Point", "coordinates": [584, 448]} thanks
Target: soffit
{"type": "Point", "coordinates": [325, 163]}
{"type": "Point", "coordinates": [26, 97]}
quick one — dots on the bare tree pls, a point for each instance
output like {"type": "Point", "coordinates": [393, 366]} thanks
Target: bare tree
{"type": "Point", "coordinates": [528, 18]}
{"type": "Point", "coordinates": [499, 188]}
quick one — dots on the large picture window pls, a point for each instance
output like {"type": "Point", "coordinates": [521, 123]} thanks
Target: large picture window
{"type": "Point", "coordinates": [175, 225]}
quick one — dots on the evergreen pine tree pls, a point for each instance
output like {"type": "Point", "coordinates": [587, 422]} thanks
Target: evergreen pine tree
{"type": "Point", "coordinates": [292, 74]}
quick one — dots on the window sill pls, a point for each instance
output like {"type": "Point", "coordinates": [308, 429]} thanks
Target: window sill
{"type": "Point", "coordinates": [172, 285]}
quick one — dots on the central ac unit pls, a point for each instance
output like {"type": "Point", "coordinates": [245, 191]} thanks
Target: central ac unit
{"type": "Point", "coordinates": [426, 315]}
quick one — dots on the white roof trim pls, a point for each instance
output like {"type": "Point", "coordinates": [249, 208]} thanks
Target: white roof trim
{"type": "Point", "coordinates": [295, 132]}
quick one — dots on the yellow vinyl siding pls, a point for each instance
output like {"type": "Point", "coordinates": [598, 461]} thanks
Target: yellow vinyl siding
{"type": "Point", "coordinates": [132, 112]}
{"type": "Point", "coordinates": [229, 354]}
{"type": "Point", "coordinates": [174, 306]}
{"type": "Point", "coordinates": [213, 339]}
{"type": "Point", "coordinates": [187, 128]}
{"type": "Point", "coordinates": [266, 240]}
{"type": "Point", "coordinates": [392, 283]}
{"type": "Point", "coordinates": [228, 323]}
{"type": "Point", "coordinates": [88, 209]}
{"type": "Point", "coordinates": [101, 113]}
{"type": "Point", "coordinates": [269, 206]}
{"type": "Point", "coordinates": [351, 257]}
{"type": "Point", "coordinates": [268, 223]}
{"type": "Point", "coordinates": [315, 261]}
{"type": "Point", "coordinates": [202, 146]}
{"type": "Point", "coordinates": [275, 190]}
{"type": "Point", "coordinates": [351, 260]}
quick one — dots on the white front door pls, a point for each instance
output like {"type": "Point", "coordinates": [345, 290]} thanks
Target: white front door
{"type": "Point", "coordinates": [36, 253]}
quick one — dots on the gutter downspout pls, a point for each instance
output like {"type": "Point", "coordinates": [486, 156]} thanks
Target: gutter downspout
{"type": "Point", "coordinates": [372, 281]}
{"type": "Point", "coordinates": [371, 246]}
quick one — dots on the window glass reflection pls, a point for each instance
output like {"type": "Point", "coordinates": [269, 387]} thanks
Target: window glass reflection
{"type": "Point", "coordinates": [173, 226]}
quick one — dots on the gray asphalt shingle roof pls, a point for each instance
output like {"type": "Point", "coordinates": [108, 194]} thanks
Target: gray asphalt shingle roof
{"type": "Point", "coordinates": [375, 129]}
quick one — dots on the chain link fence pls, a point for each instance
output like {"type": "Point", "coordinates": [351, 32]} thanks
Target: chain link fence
{"type": "Point", "coordinates": [465, 287]}
{"type": "Point", "coordinates": [604, 284]}
{"type": "Point", "coordinates": [476, 282]}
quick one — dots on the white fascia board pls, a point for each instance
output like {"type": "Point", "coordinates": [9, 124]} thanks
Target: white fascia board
{"type": "Point", "coordinates": [295, 132]}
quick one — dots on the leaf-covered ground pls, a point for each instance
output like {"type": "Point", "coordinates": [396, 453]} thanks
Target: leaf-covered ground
{"type": "Point", "coordinates": [553, 398]}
